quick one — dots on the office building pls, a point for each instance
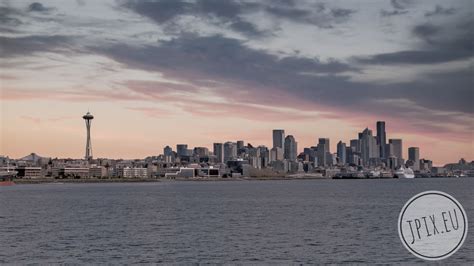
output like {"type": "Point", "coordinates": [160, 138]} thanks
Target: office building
{"type": "Point", "coordinates": [396, 149]}
{"type": "Point", "coordinates": [368, 145]}
{"type": "Point", "coordinates": [291, 148]}
{"type": "Point", "coordinates": [279, 138]}
{"type": "Point", "coordinates": [414, 156]}
{"type": "Point", "coordinates": [323, 152]}
{"type": "Point", "coordinates": [341, 152]}
{"type": "Point", "coordinates": [182, 150]}
{"type": "Point", "coordinates": [381, 138]}
{"type": "Point", "coordinates": [230, 151]}
{"type": "Point", "coordinates": [219, 152]}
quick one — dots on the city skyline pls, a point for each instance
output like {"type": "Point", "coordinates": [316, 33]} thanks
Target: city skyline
{"type": "Point", "coordinates": [288, 148]}
{"type": "Point", "coordinates": [197, 72]}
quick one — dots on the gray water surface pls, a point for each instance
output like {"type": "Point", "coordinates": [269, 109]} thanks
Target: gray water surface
{"type": "Point", "coordinates": [293, 221]}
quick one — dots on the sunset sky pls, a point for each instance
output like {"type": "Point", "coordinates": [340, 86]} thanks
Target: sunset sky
{"type": "Point", "coordinates": [160, 73]}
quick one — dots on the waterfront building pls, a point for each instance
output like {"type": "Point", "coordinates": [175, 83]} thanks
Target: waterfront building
{"type": "Point", "coordinates": [97, 171]}
{"type": "Point", "coordinates": [219, 152]}
{"type": "Point", "coordinates": [132, 172]}
{"type": "Point", "coordinates": [381, 138]}
{"type": "Point", "coordinates": [341, 152]}
{"type": "Point", "coordinates": [414, 156]}
{"type": "Point", "coordinates": [74, 172]}
{"type": "Point", "coordinates": [29, 172]}
{"type": "Point", "coordinates": [291, 148]}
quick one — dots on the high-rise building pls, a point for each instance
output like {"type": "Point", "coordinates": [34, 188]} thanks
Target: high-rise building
{"type": "Point", "coordinates": [355, 145]}
{"type": "Point", "coordinates": [88, 118]}
{"type": "Point", "coordinates": [324, 152]}
{"type": "Point", "coordinates": [182, 150]}
{"type": "Point", "coordinates": [167, 151]}
{"type": "Point", "coordinates": [276, 154]}
{"type": "Point", "coordinates": [291, 148]}
{"type": "Point", "coordinates": [341, 152]}
{"type": "Point", "coordinates": [230, 151]}
{"type": "Point", "coordinates": [240, 144]}
{"type": "Point", "coordinates": [219, 152]}
{"type": "Point", "coordinates": [414, 156]}
{"type": "Point", "coordinates": [201, 151]}
{"type": "Point", "coordinates": [368, 145]}
{"type": "Point", "coordinates": [397, 149]}
{"type": "Point", "coordinates": [279, 138]}
{"type": "Point", "coordinates": [381, 138]}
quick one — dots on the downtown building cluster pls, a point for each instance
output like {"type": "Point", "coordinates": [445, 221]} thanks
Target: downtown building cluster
{"type": "Point", "coordinates": [367, 156]}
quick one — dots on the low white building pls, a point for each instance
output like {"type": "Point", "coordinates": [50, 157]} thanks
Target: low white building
{"type": "Point", "coordinates": [132, 172]}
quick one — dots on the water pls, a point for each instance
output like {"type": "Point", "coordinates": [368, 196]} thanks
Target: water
{"type": "Point", "coordinates": [311, 221]}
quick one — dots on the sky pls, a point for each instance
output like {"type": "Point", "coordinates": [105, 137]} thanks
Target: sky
{"type": "Point", "coordinates": [157, 73]}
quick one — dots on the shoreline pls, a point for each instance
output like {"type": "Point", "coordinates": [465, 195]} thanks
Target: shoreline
{"type": "Point", "coordinates": [150, 180]}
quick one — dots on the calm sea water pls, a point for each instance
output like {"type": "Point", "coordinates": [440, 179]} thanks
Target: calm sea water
{"type": "Point", "coordinates": [311, 221]}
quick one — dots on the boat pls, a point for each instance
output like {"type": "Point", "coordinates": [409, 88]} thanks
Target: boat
{"type": "Point", "coordinates": [374, 174]}
{"type": "Point", "coordinates": [6, 178]}
{"type": "Point", "coordinates": [404, 172]}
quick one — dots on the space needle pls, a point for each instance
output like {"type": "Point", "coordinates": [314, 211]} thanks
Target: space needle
{"type": "Point", "coordinates": [88, 118]}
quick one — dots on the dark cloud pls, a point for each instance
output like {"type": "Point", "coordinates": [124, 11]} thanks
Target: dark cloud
{"type": "Point", "coordinates": [401, 4]}
{"type": "Point", "coordinates": [441, 43]}
{"type": "Point", "coordinates": [263, 76]}
{"type": "Point", "coordinates": [342, 12]}
{"type": "Point", "coordinates": [10, 17]}
{"type": "Point", "coordinates": [386, 13]}
{"type": "Point", "coordinates": [318, 15]}
{"type": "Point", "coordinates": [24, 46]}
{"type": "Point", "coordinates": [38, 7]}
{"type": "Point", "coordinates": [439, 10]}
{"type": "Point", "coordinates": [232, 12]}
{"type": "Point", "coordinates": [226, 12]}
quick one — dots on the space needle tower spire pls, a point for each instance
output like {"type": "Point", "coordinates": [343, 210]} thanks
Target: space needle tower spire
{"type": "Point", "coordinates": [88, 118]}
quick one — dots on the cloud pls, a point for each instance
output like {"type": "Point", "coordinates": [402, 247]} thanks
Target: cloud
{"type": "Point", "coordinates": [440, 43]}
{"type": "Point", "coordinates": [233, 13]}
{"type": "Point", "coordinates": [249, 76]}
{"type": "Point", "coordinates": [38, 7]}
{"type": "Point", "coordinates": [401, 4]}
{"type": "Point", "coordinates": [439, 10]}
{"type": "Point", "coordinates": [25, 46]}
{"type": "Point", "coordinates": [397, 12]}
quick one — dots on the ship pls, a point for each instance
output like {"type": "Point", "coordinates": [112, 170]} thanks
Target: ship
{"type": "Point", "coordinates": [404, 172]}
{"type": "Point", "coordinates": [6, 178]}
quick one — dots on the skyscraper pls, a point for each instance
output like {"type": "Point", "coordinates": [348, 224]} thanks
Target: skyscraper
{"type": "Point", "coordinates": [240, 144]}
{"type": "Point", "coordinates": [88, 118]}
{"type": "Point", "coordinates": [381, 138]}
{"type": "Point", "coordinates": [368, 145]}
{"type": "Point", "coordinates": [341, 152]}
{"type": "Point", "coordinates": [219, 152]}
{"type": "Point", "coordinates": [414, 156]}
{"type": "Point", "coordinates": [230, 151]}
{"type": "Point", "coordinates": [279, 138]}
{"type": "Point", "coordinates": [323, 151]}
{"type": "Point", "coordinates": [182, 150]}
{"type": "Point", "coordinates": [397, 148]}
{"type": "Point", "coordinates": [167, 151]}
{"type": "Point", "coordinates": [291, 148]}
